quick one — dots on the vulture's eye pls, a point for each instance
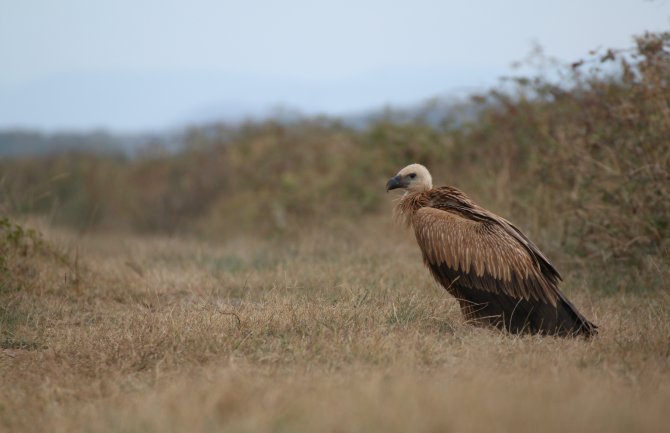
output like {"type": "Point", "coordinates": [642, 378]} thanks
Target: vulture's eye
{"type": "Point", "coordinates": [412, 175]}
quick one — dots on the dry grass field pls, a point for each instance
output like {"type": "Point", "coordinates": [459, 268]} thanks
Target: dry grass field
{"type": "Point", "coordinates": [341, 330]}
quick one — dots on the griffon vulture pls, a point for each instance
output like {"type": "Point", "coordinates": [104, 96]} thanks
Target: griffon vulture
{"type": "Point", "coordinates": [497, 274]}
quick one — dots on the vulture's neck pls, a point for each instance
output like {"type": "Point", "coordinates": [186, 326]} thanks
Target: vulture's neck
{"type": "Point", "coordinates": [410, 203]}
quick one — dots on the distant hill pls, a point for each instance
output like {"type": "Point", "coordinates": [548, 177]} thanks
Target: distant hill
{"type": "Point", "coordinates": [18, 143]}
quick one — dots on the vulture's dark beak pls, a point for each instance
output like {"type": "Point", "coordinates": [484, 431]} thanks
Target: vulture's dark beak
{"type": "Point", "coordinates": [395, 182]}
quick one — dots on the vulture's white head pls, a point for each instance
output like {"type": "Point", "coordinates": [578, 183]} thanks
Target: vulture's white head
{"type": "Point", "coordinates": [413, 178]}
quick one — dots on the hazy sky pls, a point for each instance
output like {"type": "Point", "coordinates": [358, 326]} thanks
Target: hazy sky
{"type": "Point", "coordinates": [135, 65]}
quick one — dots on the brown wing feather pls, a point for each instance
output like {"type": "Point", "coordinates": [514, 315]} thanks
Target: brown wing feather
{"type": "Point", "coordinates": [484, 254]}
{"type": "Point", "coordinates": [452, 199]}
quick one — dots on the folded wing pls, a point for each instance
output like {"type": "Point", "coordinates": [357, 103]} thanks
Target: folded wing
{"type": "Point", "coordinates": [484, 255]}
{"type": "Point", "coordinates": [496, 273]}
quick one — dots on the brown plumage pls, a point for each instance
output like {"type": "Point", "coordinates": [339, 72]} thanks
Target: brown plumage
{"type": "Point", "coordinates": [497, 274]}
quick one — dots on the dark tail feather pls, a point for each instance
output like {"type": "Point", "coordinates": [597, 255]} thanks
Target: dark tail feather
{"type": "Point", "coordinates": [573, 321]}
{"type": "Point", "coordinates": [519, 316]}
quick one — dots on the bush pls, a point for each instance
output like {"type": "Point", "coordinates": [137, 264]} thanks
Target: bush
{"type": "Point", "coordinates": [595, 150]}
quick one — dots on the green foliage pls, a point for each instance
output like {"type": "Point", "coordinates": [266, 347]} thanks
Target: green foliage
{"type": "Point", "coordinates": [24, 254]}
{"type": "Point", "coordinates": [17, 245]}
{"type": "Point", "coordinates": [15, 240]}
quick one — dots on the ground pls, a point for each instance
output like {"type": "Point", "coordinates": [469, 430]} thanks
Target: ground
{"type": "Point", "coordinates": [335, 331]}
